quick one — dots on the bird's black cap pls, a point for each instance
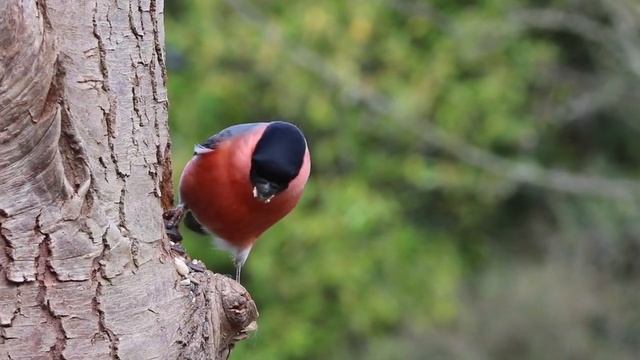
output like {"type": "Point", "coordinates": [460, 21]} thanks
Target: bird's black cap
{"type": "Point", "coordinates": [278, 156]}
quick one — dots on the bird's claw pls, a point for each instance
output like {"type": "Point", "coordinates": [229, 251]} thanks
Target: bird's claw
{"type": "Point", "coordinates": [173, 216]}
{"type": "Point", "coordinates": [173, 233]}
{"type": "Point", "coordinates": [172, 219]}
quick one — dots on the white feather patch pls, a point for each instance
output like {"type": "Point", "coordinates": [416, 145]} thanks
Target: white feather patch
{"type": "Point", "coordinates": [199, 149]}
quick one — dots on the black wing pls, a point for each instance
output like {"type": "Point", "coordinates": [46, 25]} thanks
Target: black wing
{"type": "Point", "coordinates": [230, 132]}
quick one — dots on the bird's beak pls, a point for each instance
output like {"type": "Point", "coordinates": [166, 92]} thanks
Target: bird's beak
{"type": "Point", "coordinates": [264, 192]}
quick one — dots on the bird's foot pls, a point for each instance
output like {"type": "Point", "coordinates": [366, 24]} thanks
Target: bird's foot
{"type": "Point", "coordinates": [172, 219]}
{"type": "Point", "coordinates": [173, 233]}
{"type": "Point", "coordinates": [173, 216]}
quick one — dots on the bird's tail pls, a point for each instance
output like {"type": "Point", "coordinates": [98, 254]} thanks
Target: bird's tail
{"type": "Point", "coordinates": [193, 224]}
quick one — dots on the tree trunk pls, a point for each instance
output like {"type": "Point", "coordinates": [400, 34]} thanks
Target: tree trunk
{"type": "Point", "coordinates": [86, 271]}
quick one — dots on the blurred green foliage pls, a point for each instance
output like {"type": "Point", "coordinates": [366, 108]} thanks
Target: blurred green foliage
{"type": "Point", "coordinates": [430, 126]}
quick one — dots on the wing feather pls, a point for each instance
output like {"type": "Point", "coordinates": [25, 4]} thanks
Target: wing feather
{"type": "Point", "coordinates": [232, 131]}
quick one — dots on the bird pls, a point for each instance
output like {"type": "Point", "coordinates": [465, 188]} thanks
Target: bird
{"type": "Point", "coordinates": [240, 182]}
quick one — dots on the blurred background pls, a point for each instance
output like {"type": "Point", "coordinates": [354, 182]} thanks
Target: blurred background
{"type": "Point", "coordinates": [475, 186]}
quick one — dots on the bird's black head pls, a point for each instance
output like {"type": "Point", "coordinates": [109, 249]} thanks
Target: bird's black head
{"type": "Point", "coordinates": [276, 160]}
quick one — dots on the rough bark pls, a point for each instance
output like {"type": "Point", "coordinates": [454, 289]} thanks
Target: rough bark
{"type": "Point", "coordinates": [85, 267]}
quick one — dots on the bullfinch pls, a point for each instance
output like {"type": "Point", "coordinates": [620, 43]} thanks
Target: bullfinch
{"type": "Point", "coordinates": [242, 181]}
